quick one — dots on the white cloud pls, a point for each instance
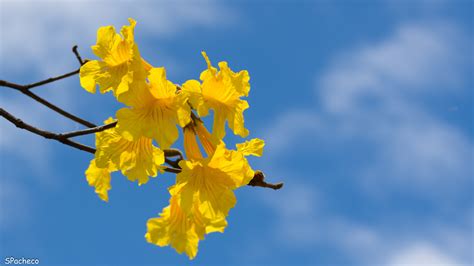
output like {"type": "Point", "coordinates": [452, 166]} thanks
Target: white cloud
{"type": "Point", "coordinates": [378, 94]}
{"type": "Point", "coordinates": [303, 222]}
{"type": "Point", "coordinates": [302, 122]}
{"type": "Point", "coordinates": [42, 32]}
{"type": "Point", "coordinates": [411, 62]}
{"type": "Point", "coordinates": [422, 254]}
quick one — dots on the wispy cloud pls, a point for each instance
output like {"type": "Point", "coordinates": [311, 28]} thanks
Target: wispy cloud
{"type": "Point", "coordinates": [421, 254]}
{"type": "Point", "coordinates": [41, 33]}
{"type": "Point", "coordinates": [380, 94]}
{"type": "Point", "coordinates": [304, 222]}
{"type": "Point", "coordinates": [379, 97]}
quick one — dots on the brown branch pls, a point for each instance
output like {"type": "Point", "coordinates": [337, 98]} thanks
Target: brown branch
{"type": "Point", "coordinates": [46, 134]}
{"type": "Point", "coordinates": [173, 163]}
{"type": "Point", "coordinates": [172, 170]}
{"type": "Point", "coordinates": [4, 83]}
{"type": "Point", "coordinates": [25, 89]}
{"type": "Point", "coordinates": [258, 180]}
{"type": "Point", "coordinates": [78, 56]}
{"type": "Point", "coordinates": [89, 130]}
{"type": "Point", "coordinates": [173, 153]}
{"type": "Point", "coordinates": [56, 108]}
{"type": "Point", "coordinates": [64, 138]}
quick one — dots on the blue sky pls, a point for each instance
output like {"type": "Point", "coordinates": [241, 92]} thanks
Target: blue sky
{"type": "Point", "coordinates": [366, 108]}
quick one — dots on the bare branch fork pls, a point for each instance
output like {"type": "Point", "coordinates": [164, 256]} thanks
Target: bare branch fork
{"type": "Point", "coordinates": [258, 179]}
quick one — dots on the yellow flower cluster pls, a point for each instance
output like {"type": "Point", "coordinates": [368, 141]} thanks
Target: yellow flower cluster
{"type": "Point", "coordinates": [155, 109]}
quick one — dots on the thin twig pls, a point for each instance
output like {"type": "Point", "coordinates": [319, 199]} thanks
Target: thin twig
{"type": "Point", "coordinates": [78, 56]}
{"type": "Point", "coordinates": [63, 138]}
{"type": "Point", "coordinates": [89, 130]}
{"type": "Point", "coordinates": [25, 90]}
{"type": "Point", "coordinates": [5, 83]}
{"type": "Point", "coordinates": [46, 134]}
{"type": "Point", "coordinates": [57, 109]}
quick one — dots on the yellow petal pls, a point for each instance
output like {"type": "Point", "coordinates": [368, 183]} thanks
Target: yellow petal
{"type": "Point", "coordinates": [155, 111]}
{"type": "Point", "coordinates": [120, 62]}
{"type": "Point", "coordinates": [193, 89]}
{"type": "Point", "coordinates": [191, 147]}
{"type": "Point", "coordinates": [161, 87]}
{"type": "Point", "coordinates": [128, 31]}
{"type": "Point", "coordinates": [211, 71]}
{"type": "Point", "coordinates": [137, 159]}
{"type": "Point", "coordinates": [251, 147]}
{"type": "Point", "coordinates": [142, 164]}
{"type": "Point", "coordinates": [107, 38]}
{"type": "Point", "coordinates": [208, 142]}
{"type": "Point", "coordinates": [173, 228]}
{"type": "Point", "coordinates": [222, 92]}
{"type": "Point", "coordinates": [157, 122]}
{"type": "Point", "coordinates": [100, 179]}
{"type": "Point", "coordinates": [88, 74]}
{"type": "Point", "coordinates": [239, 81]}
{"type": "Point", "coordinates": [211, 181]}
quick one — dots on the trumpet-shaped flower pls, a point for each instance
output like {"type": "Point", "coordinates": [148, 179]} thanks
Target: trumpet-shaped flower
{"type": "Point", "coordinates": [156, 109]}
{"type": "Point", "coordinates": [137, 159]}
{"type": "Point", "coordinates": [252, 147]}
{"type": "Point", "coordinates": [211, 180]}
{"type": "Point", "coordinates": [174, 228]}
{"type": "Point", "coordinates": [181, 230]}
{"type": "Point", "coordinates": [221, 91]}
{"type": "Point", "coordinates": [121, 61]}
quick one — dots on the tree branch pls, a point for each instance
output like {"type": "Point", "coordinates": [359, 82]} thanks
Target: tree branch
{"type": "Point", "coordinates": [64, 138]}
{"type": "Point", "coordinates": [89, 130]}
{"type": "Point", "coordinates": [78, 56]}
{"type": "Point", "coordinates": [258, 180]}
{"type": "Point", "coordinates": [46, 134]}
{"type": "Point", "coordinates": [25, 89]}
{"type": "Point", "coordinates": [173, 163]}
{"type": "Point", "coordinates": [51, 106]}
{"type": "Point", "coordinates": [173, 153]}
{"type": "Point", "coordinates": [5, 83]}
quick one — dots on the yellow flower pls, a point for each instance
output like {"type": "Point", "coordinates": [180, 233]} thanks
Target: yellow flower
{"type": "Point", "coordinates": [210, 181]}
{"type": "Point", "coordinates": [156, 109]}
{"type": "Point", "coordinates": [174, 228]}
{"type": "Point", "coordinates": [181, 230]}
{"type": "Point", "coordinates": [121, 61]}
{"type": "Point", "coordinates": [252, 147]}
{"type": "Point", "coordinates": [137, 159]}
{"type": "Point", "coordinates": [221, 91]}
{"type": "Point", "coordinates": [100, 179]}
